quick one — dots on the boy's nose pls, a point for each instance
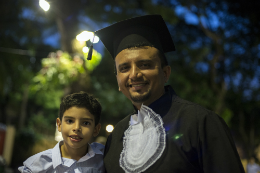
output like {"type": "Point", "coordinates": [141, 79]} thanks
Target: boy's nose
{"type": "Point", "coordinates": [76, 128]}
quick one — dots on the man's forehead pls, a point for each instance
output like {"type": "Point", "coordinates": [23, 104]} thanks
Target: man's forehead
{"type": "Point", "coordinates": [145, 52]}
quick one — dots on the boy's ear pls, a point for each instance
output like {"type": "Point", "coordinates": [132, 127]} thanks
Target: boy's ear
{"type": "Point", "coordinates": [58, 122]}
{"type": "Point", "coordinates": [97, 129]}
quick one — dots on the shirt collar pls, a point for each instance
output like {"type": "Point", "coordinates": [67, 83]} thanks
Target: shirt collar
{"type": "Point", "coordinates": [160, 106]}
{"type": "Point", "coordinates": [163, 104]}
{"type": "Point", "coordinates": [136, 118]}
{"type": "Point", "coordinates": [92, 151]}
{"type": "Point", "coordinates": [56, 155]}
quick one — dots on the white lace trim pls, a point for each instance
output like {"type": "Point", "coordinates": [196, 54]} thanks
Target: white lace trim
{"type": "Point", "coordinates": [143, 143]}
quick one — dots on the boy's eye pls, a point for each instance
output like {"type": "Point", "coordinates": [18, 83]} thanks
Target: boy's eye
{"type": "Point", "coordinates": [69, 121]}
{"type": "Point", "coordinates": [86, 123]}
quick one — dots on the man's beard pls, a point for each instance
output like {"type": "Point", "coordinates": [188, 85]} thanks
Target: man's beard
{"type": "Point", "coordinates": [141, 98]}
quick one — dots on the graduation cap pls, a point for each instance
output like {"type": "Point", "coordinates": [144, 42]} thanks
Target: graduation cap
{"type": "Point", "coordinates": [148, 30]}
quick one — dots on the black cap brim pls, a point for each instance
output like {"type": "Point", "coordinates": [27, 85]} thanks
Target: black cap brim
{"type": "Point", "coordinates": [150, 29]}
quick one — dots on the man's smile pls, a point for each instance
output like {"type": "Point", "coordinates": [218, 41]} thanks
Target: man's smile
{"type": "Point", "coordinates": [137, 86]}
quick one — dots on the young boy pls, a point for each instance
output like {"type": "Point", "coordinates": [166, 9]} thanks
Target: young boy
{"type": "Point", "coordinates": [78, 121]}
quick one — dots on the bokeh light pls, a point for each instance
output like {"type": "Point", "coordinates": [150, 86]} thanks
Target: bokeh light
{"type": "Point", "coordinates": [87, 35]}
{"type": "Point", "coordinates": [44, 5]}
{"type": "Point", "coordinates": [109, 128]}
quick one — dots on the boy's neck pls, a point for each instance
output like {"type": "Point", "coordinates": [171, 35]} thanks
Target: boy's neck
{"type": "Point", "coordinates": [72, 153]}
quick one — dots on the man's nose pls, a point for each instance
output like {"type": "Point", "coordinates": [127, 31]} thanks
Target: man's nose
{"type": "Point", "coordinates": [135, 73]}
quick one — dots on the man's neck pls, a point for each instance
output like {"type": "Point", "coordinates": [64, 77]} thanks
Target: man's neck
{"type": "Point", "coordinates": [146, 103]}
{"type": "Point", "coordinates": [137, 106]}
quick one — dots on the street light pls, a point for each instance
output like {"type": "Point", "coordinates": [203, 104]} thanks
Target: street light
{"type": "Point", "coordinates": [44, 5]}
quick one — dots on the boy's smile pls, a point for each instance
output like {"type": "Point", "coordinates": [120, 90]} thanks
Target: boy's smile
{"type": "Point", "coordinates": [77, 128]}
{"type": "Point", "coordinates": [75, 138]}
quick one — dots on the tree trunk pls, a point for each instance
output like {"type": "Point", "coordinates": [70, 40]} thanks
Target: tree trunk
{"type": "Point", "coordinates": [66, 12]}
{"type": "Point", "coordinates": [24, 106]}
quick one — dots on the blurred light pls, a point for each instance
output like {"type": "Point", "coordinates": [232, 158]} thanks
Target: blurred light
{"type": "Point", "coordinates": [109, 128]}
{"type": "Point", "coordinates": [85, 49]}
{"type": "Point", "coordinates": [96, 39]}
{"type": "Point", "coordinates": [84, 36]}
{"type": "Point", "coordinates": [44, 5]}
{"type": "Point", "coordinates": [87, 35]}
{"type": "Point", "coordinates": [177, 136]}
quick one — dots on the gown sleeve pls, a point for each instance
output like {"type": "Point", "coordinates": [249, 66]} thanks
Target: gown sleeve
{"type": "Point", "coordinates": [217, 148]}
{"type": "Point", "coordinates": [107, 146]}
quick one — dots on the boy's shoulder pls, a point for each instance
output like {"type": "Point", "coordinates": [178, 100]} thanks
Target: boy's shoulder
{"type": "Point", "coordinates": [42, 156]}
{"type": "Point", "coordinates": [42, 160]}
{"type": "Point", "coordinates": [97, 147]}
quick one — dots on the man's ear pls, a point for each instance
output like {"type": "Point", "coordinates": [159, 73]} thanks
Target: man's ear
{"type": "Point", "coordinates": [167, 72]}
{"type": "Point", "coordinates": [58, 122]}
{"type": "Point", "coordinates": [118, 84]}
{"type": "Point", "coordinates": [97, 129]}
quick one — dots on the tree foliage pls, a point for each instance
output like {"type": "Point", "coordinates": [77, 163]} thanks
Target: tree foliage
{"type": "Point", "coordinates": [58, 71]}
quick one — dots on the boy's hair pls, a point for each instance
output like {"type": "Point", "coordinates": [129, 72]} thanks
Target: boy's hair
{"type": "Point", "coordinates": [81, 100]}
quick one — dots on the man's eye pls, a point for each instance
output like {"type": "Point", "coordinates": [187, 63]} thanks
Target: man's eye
{"type": "Point", "coordinates": [123, 69]}
{"type": "Point", "coordinates": [145, 65]}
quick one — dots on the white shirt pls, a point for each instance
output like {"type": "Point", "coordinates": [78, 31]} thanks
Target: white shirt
{"type": "Point", "coordinates": [136, 118]}
{"type": "Point", "coordinates": [253, 168]}
{"type": "Point", "coordinates": [51, 161]}
{"type": "Point", "coordinates": [144, 141]}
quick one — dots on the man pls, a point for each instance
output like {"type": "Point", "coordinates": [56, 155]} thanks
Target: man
{"type": "Point", "coordinates": [165, 133]}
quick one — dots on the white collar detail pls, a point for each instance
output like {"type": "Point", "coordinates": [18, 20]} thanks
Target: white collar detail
{"type": "Point", "coordinates": [136, 118]}
{"type": "Point", "coordinates": [144, 141]}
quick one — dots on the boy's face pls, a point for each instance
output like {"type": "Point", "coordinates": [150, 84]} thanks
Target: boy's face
{"type": "Point", "coordinates": [77, 128]}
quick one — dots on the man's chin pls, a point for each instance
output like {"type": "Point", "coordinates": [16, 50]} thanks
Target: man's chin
{"type": "Point", "coordinates": [140, 98]}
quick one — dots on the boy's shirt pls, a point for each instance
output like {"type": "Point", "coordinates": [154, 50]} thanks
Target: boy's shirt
{"type": "Point", "coordinates": [51, 161]}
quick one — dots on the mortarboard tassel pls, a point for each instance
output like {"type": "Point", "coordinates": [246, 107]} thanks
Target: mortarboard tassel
{"type": "Point", "coordinates": [90, 52]}
{"type": "Point", "coordinates": [91, 49]}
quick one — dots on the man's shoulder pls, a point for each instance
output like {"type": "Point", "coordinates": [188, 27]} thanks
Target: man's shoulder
{"type": "Point", "coordinates": [190, 111]}
{"type": "Point", "coordinates": [189, 106]}
{"type": "Point", "coordinates": [124, 123]}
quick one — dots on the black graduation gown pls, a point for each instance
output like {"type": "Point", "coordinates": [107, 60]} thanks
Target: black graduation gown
{"type": "Point", "coordinates": [197, 140]}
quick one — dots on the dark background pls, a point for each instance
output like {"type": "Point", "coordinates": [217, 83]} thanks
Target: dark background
{"type": "Point", "coordinates": [216, 63]}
